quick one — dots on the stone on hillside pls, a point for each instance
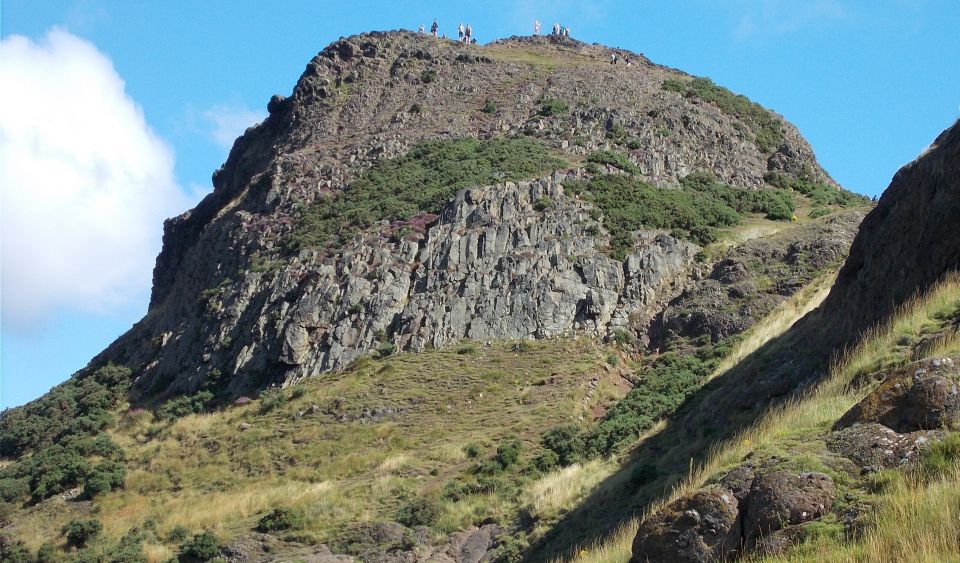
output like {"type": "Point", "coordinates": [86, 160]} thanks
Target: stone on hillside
{"type": "Point", "coordinates": [699, 527]}
{"type": "Point", "coordinates": [783, 498]}
{"type": "Point", "coordinates": [920, 396]}
{"type": "Point", "coordinates": [778, 541]}
{"type": "Point", "coordinates": [739, 480]}
{"type": "Point", "coordinates": [873, 446]}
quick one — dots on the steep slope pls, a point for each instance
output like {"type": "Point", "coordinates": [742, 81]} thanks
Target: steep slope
{"type": "Point", "coordinates": [908, 242]}
{"type": "Point", "coordinates": [237, 292]}
{"type": "Point", "coordinates": [809, 465]}
{"type": "Point", "coordinates": [413, 193]}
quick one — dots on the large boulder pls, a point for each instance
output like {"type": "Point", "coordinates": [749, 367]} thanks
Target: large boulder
{"type": "Point", "coordinates": [920, 396]}
{"type": "Point", "coordinates": [873, 446]}
{"type": "Point", "coordinates": [783, 498]}
{"type": "Point", "coordinates": [699, 527]}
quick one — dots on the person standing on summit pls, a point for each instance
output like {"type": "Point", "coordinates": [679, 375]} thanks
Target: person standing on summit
{"type": "Point", "coordinates": [434, 27]}
{"type": "Point", "coordinates": [536, 27]}
{"type": "Point", "coordinates": [461, 31]}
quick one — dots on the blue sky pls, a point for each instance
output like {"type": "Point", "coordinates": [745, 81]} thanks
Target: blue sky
{"type": "Point", "coordinates": [156, 90]}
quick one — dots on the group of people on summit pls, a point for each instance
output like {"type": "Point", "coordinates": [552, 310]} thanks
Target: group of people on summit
{"type": "Point", "coordinates": [465, 32]}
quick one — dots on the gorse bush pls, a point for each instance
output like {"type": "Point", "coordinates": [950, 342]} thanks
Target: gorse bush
{"type": "Point", "coordinates": [629, 204]}
{"type": "Point", "coordinates": [767, 129]}
{"type": "Point", "coordinates": [668, 381]}
{"type": "Point", "coordinates": [615, 159]}
{"type": "Point", "coordinates": [421, 511]}
{"type": "Point", "coordinates": [60, 430]}
{"type": "Point", "coordinates": [421, 181]}
{"type": "Point", "coordinates": [184, 405]}
{"type": "Point", "coordinates": [280, 519]}
{"type": "Point", "coordinates": [201, 547]}
{"type": "Point", "coordinates": [106, 476]}
{"type": "Point", "coordinates": [820, 193]}
{"type": "Point", "coordinates": [551, 107]}
{"type": "Point", "coordinates": [778, 204]}
{"type": "Point", "coordinates": [79, 533]}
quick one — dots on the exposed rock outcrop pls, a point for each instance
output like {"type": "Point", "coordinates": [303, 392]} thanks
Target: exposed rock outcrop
{"type": "Point", "coordinates": [908, 242]}
{"type": "Point", "coordinates": [229, 303]}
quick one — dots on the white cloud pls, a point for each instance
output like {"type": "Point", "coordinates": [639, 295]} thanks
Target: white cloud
{"type": "Point", "coordinates": [229, 121]}
{"type": "Point", "coordinates": [85, 182]}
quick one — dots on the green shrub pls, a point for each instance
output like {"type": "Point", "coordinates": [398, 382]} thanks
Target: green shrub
{"type": "Point", "coordinates": [628, 204]}
{"type": "Point", "coordinates": [385, 350]}
{"type": "Point", "coordinates": [422, 181]}
{"type": "Point", "coordinates": [819, 212]}
{"type": "Point", "coordinates": [767, 129]}
{"type": "Point", "coordinates": [428, 76]}
{"type": "Point", "coordinates": [615, 159]}
{"type": "Point", "coordinates": [508, 453]}
{"type": "Point", "coordinates": [184, 406]}
{"type": "Point", "coordinates": [543, 204]}
{"type": "Point", "coordinates": [271, 398]}
{"type": "Point", "coordinates": [13, 550]}
{"type": "Point", "coordinates": [12, 489]}
{"type": "Point", "coordinates": [421, 511]}
{"type": "Point", "coordinates": [105, 477]}
{"type": "Point", "coordinates": [79, 533]}
{"type": "Point", "coordinates": [202, 547]}
{"type": "Point", "coordinates": [415, 108]}
{"type": "Point", "coordinates": [178, 534]}
{"type": "Point", "coordinates": [820, 194]}
{"type": "Point", "coordinates": [643, 474]}
{"type": "Point", "coordinates": [489, 106]}
{"type": "Point", "coordinates": [566, 442]}
{"type": "Point", "coordinates": [546, 461]}
{"type": "Point", "coordinates": [669, 380]}
{"type": "Point", "coordinates": [472, 450]}
{"type": "Point", "coordinates": [778, 204]}
{"type": "Point", "coordinates": [280, 519]}
{"type": "Point", "coordinates": [47, 553]}
{"type": "Point", "coordinates": [552, 107]}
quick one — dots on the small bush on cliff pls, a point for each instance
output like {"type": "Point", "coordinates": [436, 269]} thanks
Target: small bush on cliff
{"type": "Point", "coordinates": [421, 181]}
{"type": "Point", "coordinates": [616, 159]}
{"type": "Point", "coordinates": [552, 107]}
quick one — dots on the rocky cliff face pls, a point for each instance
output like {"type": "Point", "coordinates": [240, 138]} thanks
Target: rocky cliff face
{"type": "Point", "coordinates": [493, 263]}
{"type": "Point", "coordinates": [906, 244]}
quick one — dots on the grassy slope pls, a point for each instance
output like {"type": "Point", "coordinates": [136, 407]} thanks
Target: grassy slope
{"type": "Point", "coordinates": [916, 518]}
{"type": "Point", "coordinates": [203, 472]}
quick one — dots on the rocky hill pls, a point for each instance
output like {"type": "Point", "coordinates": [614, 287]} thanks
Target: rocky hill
{"type": "Point", "coordinates": [595, 268]}
{"type": "Point", "coordinates": [239, 294]}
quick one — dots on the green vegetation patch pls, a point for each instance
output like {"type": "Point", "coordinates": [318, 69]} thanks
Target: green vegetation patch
{"type": "Point", "coordinates": [629, 204]}
{"type": "Point", "coordinates": [419, 182]}
{"type": "Point", "coordinates": [777, 204]}
{"type": "Point", "coordinates": [821, 194]}
{"type": "Point", "coordinates": [667, 382]}
{"type": "Point", "coordinates": [60, 431]}
{"type": "Point", "coordinates": [767, 130]}
{"type": "Point", "coordinates": [616, 159]}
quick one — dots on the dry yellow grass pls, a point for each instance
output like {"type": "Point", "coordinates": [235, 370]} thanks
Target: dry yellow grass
{"type": "Point", "coordinates": [915, 521]}
{"type": "Point", "coordinates": [779, 320]}
{"type": "Point", "coordinates": [558, 491]}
